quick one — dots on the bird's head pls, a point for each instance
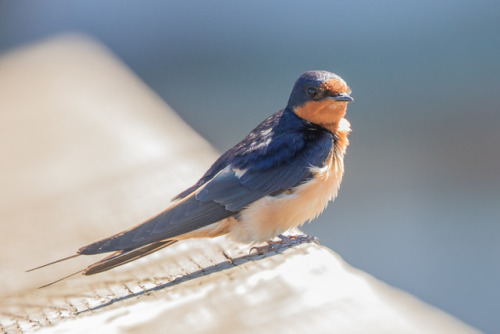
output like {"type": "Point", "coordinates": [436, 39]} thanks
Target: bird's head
{"type": "Point", "coordinates": [320, 97]}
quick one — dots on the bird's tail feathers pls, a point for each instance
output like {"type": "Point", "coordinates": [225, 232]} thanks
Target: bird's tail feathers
{"type": "Point", "coordinates": [124, 256]}
{"type": "Point", "coordinates": [60, 279]}
{"type": "Point", "coordinates": [53, 262]}
{"type": "Point", "coordinates": [114, 260]}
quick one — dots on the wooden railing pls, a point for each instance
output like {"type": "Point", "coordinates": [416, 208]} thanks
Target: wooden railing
{"type": "Point", "coordinates": [87, 150]}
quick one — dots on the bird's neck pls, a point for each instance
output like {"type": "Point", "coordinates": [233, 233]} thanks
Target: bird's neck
{"type": "Point", "coordinates": [328, 114]}
{"type": "Point", "coordinates": [340, 128]}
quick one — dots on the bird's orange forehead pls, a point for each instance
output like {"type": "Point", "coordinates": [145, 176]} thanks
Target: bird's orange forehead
{"type": "Point", "coordinates": [336, 85]}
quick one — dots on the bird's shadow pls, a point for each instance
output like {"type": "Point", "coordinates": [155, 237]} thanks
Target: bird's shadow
{"type": "Point", "coordinates": [229, 263]}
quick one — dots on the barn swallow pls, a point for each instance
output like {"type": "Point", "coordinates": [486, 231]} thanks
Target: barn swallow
{"type": "Point", "coordinates": [282, 174]}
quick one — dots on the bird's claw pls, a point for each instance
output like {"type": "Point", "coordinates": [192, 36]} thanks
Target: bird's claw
{"type": "Point", "coordinates": [286, 241]}
{"type": "Point", "coordinates": [301, 238]}
{"type": "Point", "coordinates": [262, 249]}
{"type": "Point", "coordinates": [298, 239]}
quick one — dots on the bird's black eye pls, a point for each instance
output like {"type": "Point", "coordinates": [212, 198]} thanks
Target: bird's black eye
{"type": "Point", "coordinates": [312, 91]}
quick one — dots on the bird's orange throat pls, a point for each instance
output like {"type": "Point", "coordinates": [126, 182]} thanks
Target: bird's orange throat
{"type": "Point", "coordinates": [326, 113]}
{"type": "Point", "coordinates": [329, 115]}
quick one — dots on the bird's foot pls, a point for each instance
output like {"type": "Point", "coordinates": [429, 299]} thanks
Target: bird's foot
{"type": "Point", "coordinates": [286, 241]}
{"type": "Point", "coordinates": [297, 239]}
{"type": "Point", "coordinates": [271, 245]}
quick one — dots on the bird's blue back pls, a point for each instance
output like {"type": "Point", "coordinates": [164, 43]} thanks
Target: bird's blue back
{"type": "Point", "coordinates": [283, 139]}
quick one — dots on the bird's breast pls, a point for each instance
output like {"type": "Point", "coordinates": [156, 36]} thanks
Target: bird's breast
{"type": "Point", "coordinates": [272, 215]}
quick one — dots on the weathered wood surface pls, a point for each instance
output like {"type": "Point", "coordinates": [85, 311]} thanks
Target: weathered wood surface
{"type": "Point", "coordinates": [87, 150]}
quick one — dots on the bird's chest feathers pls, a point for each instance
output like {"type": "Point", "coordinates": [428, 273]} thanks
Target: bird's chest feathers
{"type": "Point", "coordinates": [273, 215]}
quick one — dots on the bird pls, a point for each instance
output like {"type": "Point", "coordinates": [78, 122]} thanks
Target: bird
{"type": "Point", "coordinates": [281, 175]}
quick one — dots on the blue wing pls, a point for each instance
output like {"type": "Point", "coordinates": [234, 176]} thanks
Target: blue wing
{"type": "Point", "coordinates": [275, 157]}
{"type": "Point", "coordinates": [235, 188]}
{"type": "Point", "coordinates": [274, 143]}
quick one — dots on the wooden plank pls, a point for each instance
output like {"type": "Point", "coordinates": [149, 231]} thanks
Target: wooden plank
{"type": "Point", "coordinates": [88, 150]}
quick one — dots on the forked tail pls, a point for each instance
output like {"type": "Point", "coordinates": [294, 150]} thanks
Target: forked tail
{"type": "Point", "coordinates": [114, 260]}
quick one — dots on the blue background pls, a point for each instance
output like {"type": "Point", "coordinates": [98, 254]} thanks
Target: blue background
{"type": "Point", "coordinates": [419, 206]}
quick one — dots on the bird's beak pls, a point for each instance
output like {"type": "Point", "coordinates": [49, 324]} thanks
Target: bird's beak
{"type": "Point", "coordinates": [344, 97]}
